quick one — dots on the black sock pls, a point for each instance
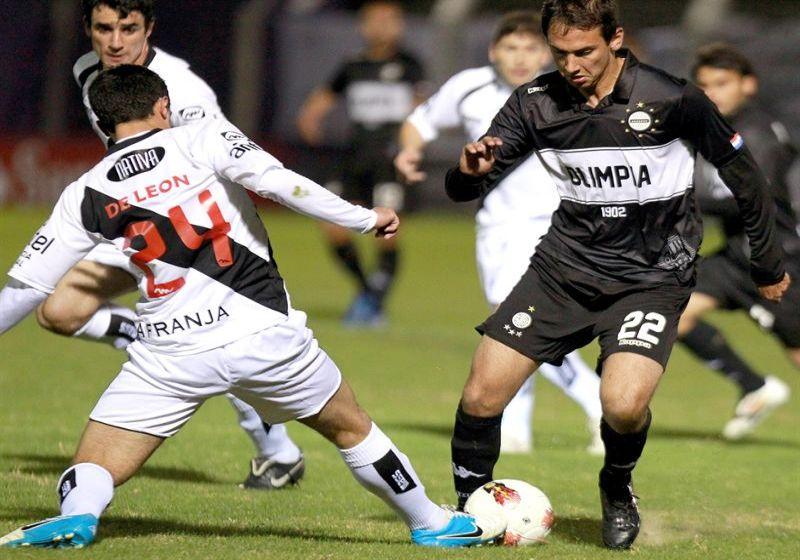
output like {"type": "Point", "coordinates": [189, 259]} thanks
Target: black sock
{"type": "Point", "coordinates": [708, 344]}
{"type": "Point", "coordinates": [348, 256]}
{"type": "Point", "coordinates": [475, 448]}
{"type": "Point", "coordinates": [622, 452]}
{"type": "Point", "coordinates": [383, 278]}
{"type": "Point", "coordinates": [121, 327]}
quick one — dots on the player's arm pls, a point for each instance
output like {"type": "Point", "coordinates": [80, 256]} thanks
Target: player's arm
{"type": "Point", "coordinates": [58, 245]}
{"type": "Point", "coordinates": [263, 174]}
{"type": "Point", "coordinates": [313, 113]}
{"type": "Point", "coordinates": [423, 125]}
{"type": "Point", "coordinates": [412, 151]}
{"type": "Point", "coordinates": [484, 162]}
{"type": "Point", "coordinates": [713, 137]}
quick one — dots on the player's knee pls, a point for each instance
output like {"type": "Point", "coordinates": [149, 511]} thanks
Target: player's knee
{"type": "Point", "coordinates": [58, 317]}
{"type": "Point", "coordinates": [625, 416]}
{"type": "Point", "coordinates": [481, 403]}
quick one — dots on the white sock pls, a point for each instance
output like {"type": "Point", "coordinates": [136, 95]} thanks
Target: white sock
{"type": "Point", "coordinates": [386, 472]}
{"type": "Point", "coordinates": [275, 443]}
{"type": "Point", "coordinates": [111, 322]}
{"type": "Point", "coordinates": [85, 488]}
{"type": "Point", "coordinates": [518, 413]}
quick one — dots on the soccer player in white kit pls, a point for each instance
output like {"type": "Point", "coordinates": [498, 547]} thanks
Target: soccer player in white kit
{"type": "Point", "coordinates": [514, 216]}
{"type": "Point", "coordinates": [214, 317]}
{"type": "Point", "coordinates": [81, 304]}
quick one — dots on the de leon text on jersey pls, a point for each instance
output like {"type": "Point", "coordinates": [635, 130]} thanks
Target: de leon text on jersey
{"type": "Point", "coordinates": [184, 323]}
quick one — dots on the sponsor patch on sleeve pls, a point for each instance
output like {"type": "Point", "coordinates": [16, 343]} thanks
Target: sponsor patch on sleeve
{"type": "Point", "coordinates": [193, 113]}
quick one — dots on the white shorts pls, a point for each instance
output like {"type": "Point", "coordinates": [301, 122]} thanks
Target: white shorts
{"type": "Point", "coordinates": [109, 255]}
{"type": "Point", "coordinates": [503, 254]}
{"type": "Point", "coordinates": [280, 371]}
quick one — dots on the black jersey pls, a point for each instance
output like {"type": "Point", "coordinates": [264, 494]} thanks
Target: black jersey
{"type": "Point", "coordinates": [624, 174]}
{"type": "Point", "coordinates": [773, 150]}
{"type": "Point", "coordinates": [379, 95]}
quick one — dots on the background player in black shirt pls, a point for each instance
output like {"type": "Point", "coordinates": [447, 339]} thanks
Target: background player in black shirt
{"type": "Point", "coordinates": [619, 139]}
{"type": "Point", "coordinates": [723, 279]}
{"type": "Point", "coordinates": [380, 86]}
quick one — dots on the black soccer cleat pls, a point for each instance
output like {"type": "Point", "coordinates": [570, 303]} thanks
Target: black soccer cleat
{"type": "Point", "coordinates": [266, 474]}
{"type": "Point", "coordinates": [620, 516]}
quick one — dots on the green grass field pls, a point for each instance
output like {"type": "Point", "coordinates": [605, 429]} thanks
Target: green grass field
{"type": "Point", "coordinates": [701, 497]}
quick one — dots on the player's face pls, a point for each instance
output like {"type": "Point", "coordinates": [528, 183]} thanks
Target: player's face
{"type": "Point", "coordinates": [382, 25]}
{"type": "Point", "coordinates": [518, 57]}
{"type": "Point", "coordinates": [583, 57]}
{"type": "Point", "coordinates": [728, 89]}
{"type": "Point", "coordinates": [118, 40]}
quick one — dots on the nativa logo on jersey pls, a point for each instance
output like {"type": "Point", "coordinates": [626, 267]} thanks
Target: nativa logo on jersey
{"type": "Point", "coordinates": [136, 162]}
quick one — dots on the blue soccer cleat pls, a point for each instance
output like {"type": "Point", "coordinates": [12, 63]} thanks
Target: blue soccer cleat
{"type": "Point", "coordinates": [66, 531]}
{"type": "Point", "coordinates": [463, 530]}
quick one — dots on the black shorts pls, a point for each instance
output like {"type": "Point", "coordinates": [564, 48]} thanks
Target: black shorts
{"type": "Point", "coordinates": [368, 177]}
{"type": "Point", "coordinates": [544, 319]}
{"type": "Point", "coordinates": [728, 281]}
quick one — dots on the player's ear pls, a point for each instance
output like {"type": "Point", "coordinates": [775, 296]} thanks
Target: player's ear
{"type": "Point", "coordinates": [617, 39]}
{"type": "Point", "coordinates": [750, 85]}
{"type": "Point", "coordinates": [161, 108]}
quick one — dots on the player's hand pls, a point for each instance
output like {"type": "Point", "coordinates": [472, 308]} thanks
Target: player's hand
{"type": "Point", "coordinates": [775, 292]}
{"type": "Point", "coordinates": [387, 224]}
{"type": "Point", "coordinates": [407, 165]}
{"type": "Point", "coordinates": [477, 158]}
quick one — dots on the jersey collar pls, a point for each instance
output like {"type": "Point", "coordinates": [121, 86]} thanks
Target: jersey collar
{"type": "Point", "coordinates": [151, 54]}
{"type": "Point", "coordinates": [130, 140]}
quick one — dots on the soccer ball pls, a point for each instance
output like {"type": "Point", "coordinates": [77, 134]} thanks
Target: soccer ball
{"type": "Point", "coordinates": [526, 509]}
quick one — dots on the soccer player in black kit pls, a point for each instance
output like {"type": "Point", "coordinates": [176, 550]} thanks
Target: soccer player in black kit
{"type": "Point", "coordinates": [381, 86]}
{"type": "Point", "coordinates": [619, 138]}
{"type": "Point", "coordinates": [723, 279]}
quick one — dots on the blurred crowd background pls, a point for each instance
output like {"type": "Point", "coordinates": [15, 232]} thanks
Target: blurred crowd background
{"type": "Point", "coordinates": [263, 57]}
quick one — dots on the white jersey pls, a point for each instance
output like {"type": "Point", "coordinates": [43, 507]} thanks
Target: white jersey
{"type": "Point", "coordinates": [191, 99]}
{"type": "Point", "coordinates": [172, 201]}
{"type": "Point", "coordinates": [471, 99]}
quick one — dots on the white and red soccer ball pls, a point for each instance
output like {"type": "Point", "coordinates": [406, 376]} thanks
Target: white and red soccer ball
{"type": "Point", "coordinates": [525, 508]}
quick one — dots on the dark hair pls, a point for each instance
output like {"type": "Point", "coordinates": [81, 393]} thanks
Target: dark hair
{"type": "Point", "coordinates": [396, 4]}
{"type": "Point", "coordinates": [581, 14]}
{"type": "Point", "coordinates": [125, 93]}
{"type": "Point", "coordinates": [723, 57]}
{"type": "Point", "coordinates": [522, 21]}
{"type": "Point", "coordinates": [124, 7]}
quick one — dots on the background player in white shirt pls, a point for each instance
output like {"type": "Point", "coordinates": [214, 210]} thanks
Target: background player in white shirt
{"type": "Point", "coordinates": [172, 200]}
{"type": "Point", "coordinates": [81, 304]}
{"type": "Point", "coordinates": [514, 216]}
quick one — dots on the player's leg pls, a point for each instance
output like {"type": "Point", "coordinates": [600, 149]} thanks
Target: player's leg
{"type": "Point", "coordinates": [284, 374]}
{"type": "Point", "coordinates": [151, 398]}
{"type": "Point", "coordinates": [106, 457]}
{"type": "Point", "coordinates": [709, 345]}
{"type": "Point", "coordinates": [497, 373]}
{"type": "Point", "coordinates": [389, 194]}
{"type": "Point", "coordinates": [380, 467]}
{"type": "Point", "coordinates": [636, 334]}
{"type": "Point", "coordinates": [80, 304]}
{"type": "Point", "coordinates": [722, 282]}
{"type": "Point", "coordinates": [278, 462]}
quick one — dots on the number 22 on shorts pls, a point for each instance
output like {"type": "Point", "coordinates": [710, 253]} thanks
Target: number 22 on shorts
{"type": "Point", "coordinates": [639, 325]}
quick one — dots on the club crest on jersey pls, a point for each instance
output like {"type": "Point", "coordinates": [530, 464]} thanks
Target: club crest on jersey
{"type": "Point", "coordinates": [737, 141]}
{"type": "Point", "coordinates": [641, 118]}
{"type": "Point", "coordinates": [133, 163]}
{"type": "Point", "coordinates": [193, 113]}
{"type": "Point", "coordinates": [640, 121]}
